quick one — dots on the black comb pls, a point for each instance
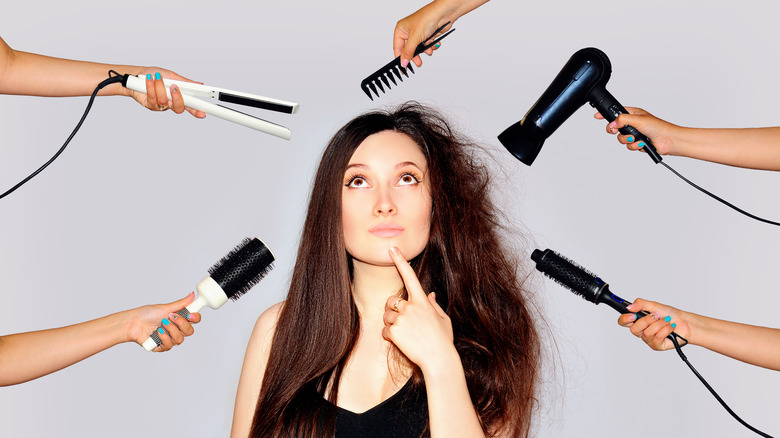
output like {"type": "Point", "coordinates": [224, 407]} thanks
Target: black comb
{"type": "Point", "coordinates": [243, 267]}
{"type": "Point", "coordinates": [393, 69]}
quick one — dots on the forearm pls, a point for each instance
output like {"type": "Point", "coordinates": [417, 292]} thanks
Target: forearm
{"type": "Point", "coordinates": [748, 343]}
{"type": "Point", "coordinates": [755, 148]}
{"type": "Point", "coordinates": [451, 412]}
{"type": "Point", "coordinates": [454, 9]}
{"type": "Point", "coordinates": [26, 356]}
{"type": "Point", "coordinates": [38, 75]}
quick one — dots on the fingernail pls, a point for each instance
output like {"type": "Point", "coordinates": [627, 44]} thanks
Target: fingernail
{"type": "Point", "coordinates": [160, 330]}
{"type": "Point", "coordinates": [148, 77]}
{"type": "Point", "coordinates": [173, 316]}
{"type": "Point", "coordinates": [165, 321]}
{"type": "Point", "coordinates": [656, 316]}
{"type": "Point", "coordinates": [404, 62]}
{"type": "Point", "coordinates": [612, 124]}
{"type": "Point", "coordinates": [394, 250]}
{"type": "Point", "coordinates": [668, 318]}
{"type": "Point", "coordinates": [437, 45]}
{"type": "Point", "coordinates": [174, 89]}
{"type": "Point", "coordinates": [157, 76]}
{"type": "Point", "coordinates": [630, 139]}
{"type": "Point", "coordinates": [632, 317]}
{"type": "Point", "coordinates": [641, 144]}
{"type": "Point", "coordinates": [674, 325]}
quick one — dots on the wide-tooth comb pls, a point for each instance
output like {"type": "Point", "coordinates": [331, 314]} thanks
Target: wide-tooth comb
{"type": "Point", "coordinates": [393, 69]}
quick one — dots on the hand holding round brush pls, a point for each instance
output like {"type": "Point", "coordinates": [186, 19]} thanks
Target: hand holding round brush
{"type": "Point", "coordinates": [230, 277]}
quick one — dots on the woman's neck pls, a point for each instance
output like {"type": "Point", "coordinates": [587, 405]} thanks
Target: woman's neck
{"type": "Point", "coordinates": [372, 286]}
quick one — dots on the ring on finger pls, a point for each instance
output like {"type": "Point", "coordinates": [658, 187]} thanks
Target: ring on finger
{"type": "Point", "coordinates": [395, 305]}
{"type": "Point", "coordinates": [162, 107]}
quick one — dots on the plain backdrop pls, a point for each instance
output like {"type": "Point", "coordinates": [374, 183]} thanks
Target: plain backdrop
{"type": "Point", "coordinates": [141, 204]}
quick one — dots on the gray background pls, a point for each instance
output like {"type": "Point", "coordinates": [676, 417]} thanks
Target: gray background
{"type": "Point", "coordinates": [142, 204]}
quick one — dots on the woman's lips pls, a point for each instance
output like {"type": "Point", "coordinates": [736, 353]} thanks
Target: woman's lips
{"type": "Point", "coordinates": [386, 230]}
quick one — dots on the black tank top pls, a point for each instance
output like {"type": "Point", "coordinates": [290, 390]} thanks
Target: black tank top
{"type": "Point", "coordinates": [403, 415]}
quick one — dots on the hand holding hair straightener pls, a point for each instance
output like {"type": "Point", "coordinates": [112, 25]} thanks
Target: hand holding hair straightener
{"type": "Point", "coordinates": [202, 98]}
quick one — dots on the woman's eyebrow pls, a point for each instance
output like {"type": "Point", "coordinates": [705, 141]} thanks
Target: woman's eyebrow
{"type": "Point", "coordinates": [359, 166]}
{"type": "Point", "coordinates": [407, 163]}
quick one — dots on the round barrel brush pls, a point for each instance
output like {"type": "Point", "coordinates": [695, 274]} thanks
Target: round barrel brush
{"type": "Point", "coordinates": [230, 277]}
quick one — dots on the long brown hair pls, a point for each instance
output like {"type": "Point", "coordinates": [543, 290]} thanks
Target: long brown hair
{"type": "Point", "coordinates": [465, 263]}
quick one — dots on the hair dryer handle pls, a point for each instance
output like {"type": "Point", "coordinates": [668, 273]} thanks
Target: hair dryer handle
{"type": "Point", "coordinates": [610, 108]}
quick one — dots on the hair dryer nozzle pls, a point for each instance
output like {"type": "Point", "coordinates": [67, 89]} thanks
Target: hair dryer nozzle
{"type": "Point", "coordinates": [523, 140]}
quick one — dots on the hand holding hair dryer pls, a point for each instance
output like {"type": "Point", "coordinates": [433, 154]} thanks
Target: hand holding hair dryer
{"type": "Point", "coordinates": [582, 79]}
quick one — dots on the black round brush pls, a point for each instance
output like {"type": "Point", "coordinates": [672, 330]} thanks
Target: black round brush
{"type": "Point", "coordinates": [231, 277]}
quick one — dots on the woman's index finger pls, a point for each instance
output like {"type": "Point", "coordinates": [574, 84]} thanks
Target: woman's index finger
{"type": "Point", "coordinates": [413, 286]}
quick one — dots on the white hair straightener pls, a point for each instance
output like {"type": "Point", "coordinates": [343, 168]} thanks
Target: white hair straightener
{"type": "Point", "coordinates": [204, 98]}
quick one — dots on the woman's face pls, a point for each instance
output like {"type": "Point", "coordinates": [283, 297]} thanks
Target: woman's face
{"type": "Point", "coordinates": [386, 199]}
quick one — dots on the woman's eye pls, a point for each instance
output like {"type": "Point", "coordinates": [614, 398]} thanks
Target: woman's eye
{"type": "Point", "coordinates": [357, 182]}
{"type": "Point", "coordinates": [408, 179]}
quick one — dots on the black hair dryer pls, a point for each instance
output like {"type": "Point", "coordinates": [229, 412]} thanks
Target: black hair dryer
{"type": "Point", "coordinates": [582, 79]}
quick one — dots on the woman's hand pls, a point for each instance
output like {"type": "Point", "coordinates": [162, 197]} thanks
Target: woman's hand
{"type": "Point", "coordinates": [660, 132]}
{"type": "Point", "coordinates": [156, 98]}
{"type": "Point", "coordinates": [145, 320]}
{"type": "Point", "coordinates": [417, 326]}
{"type": "Point", "coordinates": [411, 31]}
{"type": "Point", "coordinates": [655, 327]}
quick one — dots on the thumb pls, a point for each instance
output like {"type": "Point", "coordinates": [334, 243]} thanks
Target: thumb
{"type": "Point", "coordinates": [629, 119]}
{"type": "Point", "coordinates": [415, 38]}
{"type": "Point", "coordinates": [180, 304]}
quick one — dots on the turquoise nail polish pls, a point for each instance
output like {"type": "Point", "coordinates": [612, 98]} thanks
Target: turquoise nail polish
{"type": "Point", "coordinates": [630, 139]}
{"type": "Point", "coordinates": [667, 319]}
{"type": "Point", "coordinates": [157, 76]}
{"type": "Point", "coordinates": [641, 144]}
{"type": "Point", "coordinates": [160, 330]}
{"type": "Point", "coordinates": [437, 45]}
{"type": "Point", "coordinates": [148, 77]}
{"type": "Point", "coordinates": [166, 322]}
{"type": "Point", "coordinates": [674, 325]}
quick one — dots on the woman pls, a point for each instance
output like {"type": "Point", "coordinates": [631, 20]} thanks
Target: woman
{"type": "Point", "coordinates": [31, 74]}
{"type": "Point", "coordinates": [414, 29]}
{"type": "Point", "coordinates": [751, 148]}
{"type": "Point", "coordinates": [751, 344]}
{"type": "Point", "coordinates": [30, 355]}
{"type": "Point", "coordinates": [358, 349]}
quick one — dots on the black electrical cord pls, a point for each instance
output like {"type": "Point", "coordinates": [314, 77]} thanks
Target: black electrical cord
{"type": "Point", "coordinates": [712, 391]}
{"type": "Point", "coordinates": [719, 199]}
{"type": "Point", "coordinates": [113, 78]}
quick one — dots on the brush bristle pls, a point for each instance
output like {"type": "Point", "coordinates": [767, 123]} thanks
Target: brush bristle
{"type": "Point", "coordinates": [567, 274]}
{"type": "Point", "coordinates": [243, 267]}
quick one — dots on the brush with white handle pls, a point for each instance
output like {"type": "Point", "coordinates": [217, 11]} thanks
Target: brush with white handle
{"type": "Point", "coordinates": [230, 278]}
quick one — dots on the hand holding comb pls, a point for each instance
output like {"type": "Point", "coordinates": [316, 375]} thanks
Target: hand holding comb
{"type": "Point", "coordinates": [393, 67]}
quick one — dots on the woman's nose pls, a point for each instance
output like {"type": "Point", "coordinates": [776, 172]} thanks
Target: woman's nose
{"type": "Point", "coordinates": [384, 203]}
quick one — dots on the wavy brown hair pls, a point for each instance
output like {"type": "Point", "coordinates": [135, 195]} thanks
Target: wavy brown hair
{"type": "Point", "coordinates": [465, 262]}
